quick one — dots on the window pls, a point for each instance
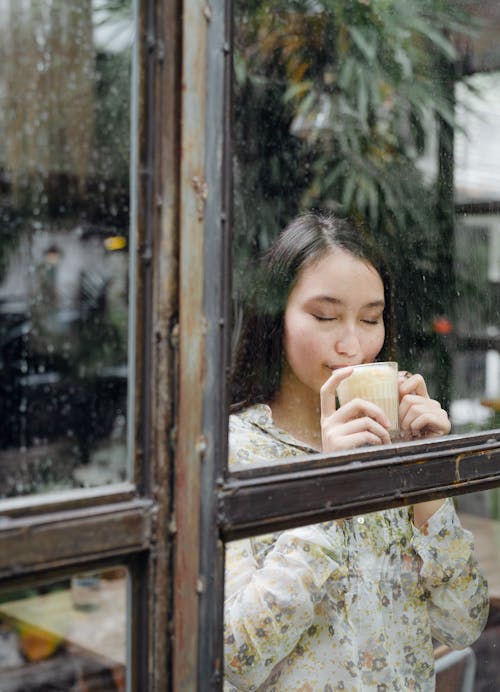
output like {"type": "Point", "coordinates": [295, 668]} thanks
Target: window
{"type": "Point", "coordinates": [82, 532]}
{"type": "Point", "coordinates": [150, 523]}
{"type": "Point", "coordinates": [245, 503]}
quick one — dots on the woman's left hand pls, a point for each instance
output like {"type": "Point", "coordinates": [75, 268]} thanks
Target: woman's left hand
{"type": "Point", "coordinates": [419, 415]}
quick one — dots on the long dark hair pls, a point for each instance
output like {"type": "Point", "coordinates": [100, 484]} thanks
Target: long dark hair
{"type": "Point", "coordinates": [258, 359]}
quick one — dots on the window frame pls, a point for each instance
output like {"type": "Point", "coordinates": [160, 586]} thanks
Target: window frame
{"type": "Point", "coordinates": [56, 534]}
{"type": "Point", "coordinates": [236, 504]}
{"type": "Point", "coordinates": [169, 525]}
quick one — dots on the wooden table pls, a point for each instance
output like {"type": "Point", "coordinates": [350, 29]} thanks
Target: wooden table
{"type": "Point", "coordinates": [486, 534]}
{"type": "Point", "coordinates": [101, 632]}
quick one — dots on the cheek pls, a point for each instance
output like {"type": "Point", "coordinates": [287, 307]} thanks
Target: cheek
{"type": "Point", "coordinates": [374, 344]}
{"type": "Point", "coordinates": [303, 348]}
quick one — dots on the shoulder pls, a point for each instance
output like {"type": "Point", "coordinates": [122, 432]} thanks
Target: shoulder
{"type": "Point", "coordinates": [253, 439]}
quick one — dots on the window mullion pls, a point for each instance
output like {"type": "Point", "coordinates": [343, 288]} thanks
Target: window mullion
{"type": "Point", "coordinates": [190, 444]}
{"type": "Point", "coordinates": [300, 496]}
{"type": "Point", "coordinates": [44, 542]}
{"type": "Point", "coordinates": [66, 500]}
{"type": "Point", "coordinates": [218, 214]}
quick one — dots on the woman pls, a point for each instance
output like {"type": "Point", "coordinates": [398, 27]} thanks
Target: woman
{"type": "Point", "coordinates": [353, 604]}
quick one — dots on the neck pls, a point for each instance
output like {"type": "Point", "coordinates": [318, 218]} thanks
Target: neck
{"type": "Point", "coordinates": [296, 409]}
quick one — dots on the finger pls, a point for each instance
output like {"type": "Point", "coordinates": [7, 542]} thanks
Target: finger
{"type": "Point", "coordinates": [328, 392]}
{"type": "Point", "coordinates": [361, 439]}
{"type": "Point", "coordinates": [425, 423]}
{"type": "Point", "coordinates": [358, 408]}
{"type": "Point", "coordinates": [351, 434]}
{"type": "Point", "coordinates": [413, 401]}
{"type": "Point", "coordinates": [415, 384]}
{"type": "Point", "coordinates": [336, 442]}
{"type": "Point", "coordinates": [404, 375]}
{"type": "Point", "coordinates": [430, 423]}
{"type": "Point", "coordinates": [367, 424]}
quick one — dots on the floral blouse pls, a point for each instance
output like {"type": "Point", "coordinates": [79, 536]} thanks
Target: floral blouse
{"type": "Point", "coordinates": [352, 605]}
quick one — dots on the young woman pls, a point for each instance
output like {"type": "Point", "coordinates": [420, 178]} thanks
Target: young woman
{"type": "Point", "coordinates": [351, 604]}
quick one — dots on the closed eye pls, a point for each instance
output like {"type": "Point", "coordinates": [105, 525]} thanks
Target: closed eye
{"type": "Point", "coordinates": [371, 321]}
{"type": "Point", "coordinates": [324, 319]}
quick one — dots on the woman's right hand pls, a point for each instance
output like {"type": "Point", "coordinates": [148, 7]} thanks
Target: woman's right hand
{"type": "Point", "coordinates": [352, 425]}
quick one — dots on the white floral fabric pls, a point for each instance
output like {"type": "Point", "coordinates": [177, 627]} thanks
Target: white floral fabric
{"type": "Point", "coordinates": [351, 606]}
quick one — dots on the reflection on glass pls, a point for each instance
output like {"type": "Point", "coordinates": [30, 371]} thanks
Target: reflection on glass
{"type": "Point", "coordinates": [323, 305]}
{"type": "Point", "coordinates": [64, 179]}
{"type": "Point", "coordinates": [360, 108]}
{"type": "Point", "coordinates": [368, 602]}
{"type": "Point", "coordinates": [66, 636]}
{"type": "Point", "coordinates": [477, 189]}
{"type": "Point", "coordinates": [354, 108]}
{"type": "Point", "coordinates": [480, 514]}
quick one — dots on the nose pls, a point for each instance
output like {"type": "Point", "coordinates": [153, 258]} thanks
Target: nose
{"type": "Point", "coordinates": [347, 343]}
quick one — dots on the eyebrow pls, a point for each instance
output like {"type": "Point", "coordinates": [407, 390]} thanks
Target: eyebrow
{"type": "Point", "coordinates": [336, 301]}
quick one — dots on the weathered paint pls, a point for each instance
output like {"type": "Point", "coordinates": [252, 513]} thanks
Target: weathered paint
{"type": "Point", "coordinates": [216, 311]}
{"type": "Point", "coordinates": [301, 493]}
{"type": "Point", "coordinates": [161, 128]}
{"type": "Point", "coordinates": [52, 540]}
{"type": "Point", "coordinates": [194, 190]}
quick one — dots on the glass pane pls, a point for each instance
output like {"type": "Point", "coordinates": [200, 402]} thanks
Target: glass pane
{"type": "Point", "coordinates": [64, 177]}
{"type": "Point", "coordinates": [480, 514]}
{"type": "Point", "coordinates": [69, 635]}
{"type": "Point", "coordinates": [389, 601]}
{"type": "Point", "coordinates": [363, 112]}
{"type": "Point", "coordinates": [477, 372]}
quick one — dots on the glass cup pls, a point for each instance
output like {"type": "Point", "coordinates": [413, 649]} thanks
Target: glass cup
{"type": "Point", "coordinates": [378, 383]}
{"type": "Point", "coordinates": [85, 591]}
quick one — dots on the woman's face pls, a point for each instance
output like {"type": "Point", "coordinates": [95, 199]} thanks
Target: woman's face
{"type": "Point", "coordinates": [333, 318]}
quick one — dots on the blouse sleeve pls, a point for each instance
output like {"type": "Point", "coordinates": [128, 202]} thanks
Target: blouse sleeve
{"type": "Point", "coordinates": [268, 607]}
{"type": "Point", "coordinates": [452, 580]}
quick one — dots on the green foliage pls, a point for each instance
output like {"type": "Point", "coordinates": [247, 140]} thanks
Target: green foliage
{"type": "Point", "coordinates": [335, 100]}
{"type": "Point", "coordinates": [112, 119]}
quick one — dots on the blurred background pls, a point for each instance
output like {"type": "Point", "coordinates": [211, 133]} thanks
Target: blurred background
{"type": "Point", "coordinates": [64, 234]}
{"type": "Point", "coordinates": [387, 112]}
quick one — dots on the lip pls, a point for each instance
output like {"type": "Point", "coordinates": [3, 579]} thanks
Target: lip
{"type": "Point", "coordinates": [339, 367]}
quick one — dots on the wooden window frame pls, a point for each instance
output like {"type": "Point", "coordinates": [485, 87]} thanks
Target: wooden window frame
{"type": "Point", "coordinates": [50, 536]}
{"type": "Point", "coordinates": [169, 524]}
{"type": "Point", "coordinates": [212, 505]}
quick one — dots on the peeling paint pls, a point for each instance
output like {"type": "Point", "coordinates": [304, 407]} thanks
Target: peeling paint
{"type": "Point", "coordinates": [200, 187]}
{"type": "Point", "coordinates": [207, 12]}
